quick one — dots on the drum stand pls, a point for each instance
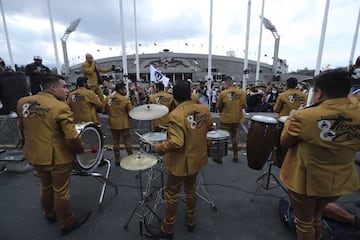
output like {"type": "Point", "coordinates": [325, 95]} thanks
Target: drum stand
{"type": "Point", "coordinates": [264, 180]}
{"type": "Point", "coordinates": [141, 206]}
{"type": "Point", "coordinates": [201, 186]}
{"type": "Point", "coordinates": [104, 179]}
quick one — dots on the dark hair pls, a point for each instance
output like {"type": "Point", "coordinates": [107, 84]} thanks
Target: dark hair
{"type": "Point", "coordinates": [48, 79]}
{"type": "Point", "coordinates": [291, 82]}
{"type": "Point", "coordinates": [181, 91]}
{"type": "Point", "coordinates": [334, 83]}
{"type": "Point", "coordinates": [228, 79]}
{"type": "Point", "coordinates": [159, 86]}
{"type": "Point", "coordinates": [80, 81]}
{"type": "Point", "coordinates": [119, 86]}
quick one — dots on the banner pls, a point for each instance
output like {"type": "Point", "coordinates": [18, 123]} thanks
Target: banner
{"type": "Point", "coordinates": [156, 76]}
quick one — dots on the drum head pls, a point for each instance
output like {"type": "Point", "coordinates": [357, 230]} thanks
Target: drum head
{"type": "Point", "coordinates": [217, 134]}
{"type": "Point", "coordinates": [283, 119]}
{"type": "Point", "coordinates": [154, 137]}
{"type": "Point", "coordinates": [264, 119]}
{"type": "Point", "coordinates": [92, 138]}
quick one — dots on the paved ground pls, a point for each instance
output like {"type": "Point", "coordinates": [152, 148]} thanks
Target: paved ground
{"type": "Point", "coordinates": [230, 187]}
{"type": "Point", "coordinates": [227, 213]}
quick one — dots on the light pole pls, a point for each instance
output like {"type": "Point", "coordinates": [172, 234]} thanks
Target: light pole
{"type": "Point", "coordinates": [68, 30]}
{"type": "Point", "coordinates": [268, 25]}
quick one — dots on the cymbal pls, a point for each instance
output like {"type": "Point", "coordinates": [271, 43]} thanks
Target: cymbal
{"type": "Point", "coordinates": [148, 112]}
{"type": "Point", "coordinates": [138, 161]}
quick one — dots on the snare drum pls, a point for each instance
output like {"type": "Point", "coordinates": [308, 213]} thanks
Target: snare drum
{"type": "Point", "coordinates": [280, 152]}
{"type": "Point", "coordinates": [260, 140]}
{"type": "Point", "coordinates": [217, 143]}
{"type": "Point", "coordinates": [151, 137]}
{"type": "Point", "coordinates": [90, 134]}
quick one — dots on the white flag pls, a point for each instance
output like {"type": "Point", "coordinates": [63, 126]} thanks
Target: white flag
{"type": "Point", "coordinates": [157, 76]}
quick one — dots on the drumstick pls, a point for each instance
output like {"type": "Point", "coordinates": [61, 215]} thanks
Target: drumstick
{"type": "Point", "coordinates": [92, 150]}
{"type": "Point", "coordinates": [142, 137]}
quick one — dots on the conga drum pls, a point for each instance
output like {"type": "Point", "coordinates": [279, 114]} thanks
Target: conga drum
{"type": "Point", "coordinates": [260, 140]}
{"type": "Point", "coordinates": [90, 134]}
{"type": "Point", "coordinates": [280, 152]}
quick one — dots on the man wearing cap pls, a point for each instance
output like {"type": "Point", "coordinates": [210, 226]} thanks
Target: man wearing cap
{"type": "Point", "coordinates": [185, 155]}
{"type": "Point", "coordinates": [91, 71]}
{"type": "Point", "coordinates": [3, 67]}
{"type": "Point", "coordinates": [34, 71]}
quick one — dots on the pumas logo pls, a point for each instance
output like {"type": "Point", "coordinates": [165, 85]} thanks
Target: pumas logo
{"type": "Point", "coordinates": [33, 110]}
{"type": "Point", "coordinates": [196, 120]}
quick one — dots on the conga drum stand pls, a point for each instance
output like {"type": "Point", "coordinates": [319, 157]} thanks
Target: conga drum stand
{"type": "Point", "coordinates": [140, 162]}
{"type": "Point", "coordinates": [264, 180]}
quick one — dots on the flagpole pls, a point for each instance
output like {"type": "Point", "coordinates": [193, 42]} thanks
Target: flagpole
{"type": "Point", "coordinates": [320, 50]}
{"type": "Point", "coordinates": [7, 37]}
{"type": "Point", "coordinates": [54, 39]}
{"type": "Point", "coordinates": [259, 49]}
{"type": "Point", "coordinates": [209, 77]}
{"type": "Point", "coordinates": [246, 70]}
{"type": "Point", "coordinates": [136, 46]}
{"type": "Point", "coordinates": [354, 40]}
{"type": "Point", "coordinates": [125, 71]}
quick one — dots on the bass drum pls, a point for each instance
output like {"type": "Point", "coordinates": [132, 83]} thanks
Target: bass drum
{"type": "Point", "coordinates": [90, 134]}
{"type": "Point", "coordinates": [260, 140]}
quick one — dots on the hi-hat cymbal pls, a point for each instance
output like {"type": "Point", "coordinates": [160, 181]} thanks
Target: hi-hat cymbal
{"type": "Point", "coordinates": [148, 112]}
{"type": "Point", "coordinates": [138, 161]}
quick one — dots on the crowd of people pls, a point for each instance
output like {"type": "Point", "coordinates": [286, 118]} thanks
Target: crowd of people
{"type": "Point", "coordinates": [322, 139]}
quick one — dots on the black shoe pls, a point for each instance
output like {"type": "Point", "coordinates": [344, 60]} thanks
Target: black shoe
{"type": "Point", "coordinates": [50, 219]}
{"type": "Point", "coordinates": [156, 233]}
{"type": "Point", "coordinates": [117, 163]}
{"type": "Point", "coordinates": [190, 228]}
{"type": "Point", "coordinates": [235, 160]}
{"type": "Point", "coordinates": [219, 161]}
{"type": "Point", "coordinates": [78, 222]}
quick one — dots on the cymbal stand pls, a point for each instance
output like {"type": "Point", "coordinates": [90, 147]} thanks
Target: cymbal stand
{"type": "Point", "coordinates": [141, 206]}
{"type": "Point", "coordinates": [264, 180]}
{"type": "Point", "coordinates": [160, 194]}
{"type": "Point", "coordinates": [201, 188]}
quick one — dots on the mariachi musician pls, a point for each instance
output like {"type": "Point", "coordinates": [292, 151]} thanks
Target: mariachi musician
{"type": "Point", "coordinates": [163, 98]}
{"type": "Point", "coordinates": [322, 140]}
{"type": "Point", "coordinates": [291, 99]}
{"type": "Point", "coordinates": [51, 142]}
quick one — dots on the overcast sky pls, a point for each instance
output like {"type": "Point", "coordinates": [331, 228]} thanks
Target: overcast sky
{"type": "Point", "coordinates": [181, 26]}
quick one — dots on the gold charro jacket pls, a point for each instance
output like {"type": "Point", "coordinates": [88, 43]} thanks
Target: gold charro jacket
{"type": "Point", "coordinates": [165, 99]}
{"type": "Point", "coordinates": [289, 100]}
{"type": "Point", "coordinates": [186, 144]}
{"type": "Point", "coordinates": [323, 141]}
{"type": "Point", "coordinates": [230, 103]}
{"type": "Point", "coordinates": [49, 127]}
{"type": "Point", "coordinates": [118, 108]}
{"type": "Point", "coordinates": [84, 102]}
{"type": "Point", "coordinates": [90, 73]}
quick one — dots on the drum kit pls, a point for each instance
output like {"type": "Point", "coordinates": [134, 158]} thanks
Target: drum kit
{"type": "Point", "coordinates": [85, 163]}
{"type": "Point", "coordinates": [145, 160]}
{"type": "Point", "coordinates": [265, 131]}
